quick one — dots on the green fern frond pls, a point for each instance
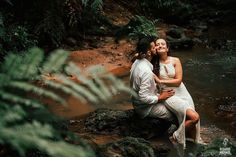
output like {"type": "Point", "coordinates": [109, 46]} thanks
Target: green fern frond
{"type": "Point", "coordinates": [11, 66]}
{"type": "Point", "coordinates": [4, 79]}
{"type": "Point", "coordinates": [64, 89]}
{"type": "Point", "coordinates": [55, 62]}
{"type": "Point", "coordinates": [23, 67]}
{"type": "Point", "coordinates": [80, 89]}
{"type": "Point", "coordinates": [94, 86]}
{"type": "Point", "coordinates": [120, 86]}
{"type": "Point", "coordinates": [97, 5]}
{"type": "Point", "coordinates": [97, 72]}
{"type": "Point", "coordinates": [31, 62]}
{"type": "Point", "coordinates": [38, 136]}
{"type": "Point", "coordinates": [18, 72]}
{"type": "Point", "coordinates": [19, 100]}
{"type": "Point", "coordinates": [11, 114]}
{"type": "Point", "coordinates": [144, 27]}
{"type": "Point", "coordinates": [37, 90]}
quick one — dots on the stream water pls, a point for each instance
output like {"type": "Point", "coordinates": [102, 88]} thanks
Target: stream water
{"type": "Point", "coordinates": [210, 77]}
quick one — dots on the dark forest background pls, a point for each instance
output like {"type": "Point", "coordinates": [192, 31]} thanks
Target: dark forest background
{"type": "Point", "coordinates": [29, 129]}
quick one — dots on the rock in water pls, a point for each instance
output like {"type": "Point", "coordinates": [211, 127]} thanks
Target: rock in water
{"type": "Point", "coordinates": [131, 147]}
{"type": "Point", "coordinates": [126, 123]}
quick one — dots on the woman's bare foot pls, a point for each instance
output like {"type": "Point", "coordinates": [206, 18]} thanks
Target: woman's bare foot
{"type": "Point", "coordinates": [173, 140]}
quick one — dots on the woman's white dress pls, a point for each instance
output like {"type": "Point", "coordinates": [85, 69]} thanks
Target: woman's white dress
{"type": "Point", "coordinates": [178, 103]}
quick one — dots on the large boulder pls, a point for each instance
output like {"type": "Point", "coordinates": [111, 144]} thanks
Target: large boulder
{"type": "Point", "coordinates": [132, 147]}
{"type": "Point", "coordinates": [126, 123]}
{"type": "Point", "coordinates": [177, 38]}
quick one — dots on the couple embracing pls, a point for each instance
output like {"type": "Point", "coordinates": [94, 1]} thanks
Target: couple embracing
{"type": "Point", "coordinates": [156, 77]}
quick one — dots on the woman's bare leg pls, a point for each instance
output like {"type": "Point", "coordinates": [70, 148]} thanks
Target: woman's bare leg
{"type": "Point", "coordinates": [192, 117]}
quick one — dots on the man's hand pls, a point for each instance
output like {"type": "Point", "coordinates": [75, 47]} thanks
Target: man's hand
{"type": "Point", "coordinates": [166, 94]}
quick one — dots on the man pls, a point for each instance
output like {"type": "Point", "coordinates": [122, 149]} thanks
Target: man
{"type": "Point", "coordinates": [148, 102]}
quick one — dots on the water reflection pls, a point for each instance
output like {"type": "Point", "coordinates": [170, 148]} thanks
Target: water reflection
{"type": "Point", "coordinates": [210, 77]}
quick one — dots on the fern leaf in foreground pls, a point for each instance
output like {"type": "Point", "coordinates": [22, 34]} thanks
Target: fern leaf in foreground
{"type": "Point", "coordinates": [37, 90]}
{"type": "Point", "coordinates": [20, 128]}
{"type": "Point", "coordinates": [9, 97]}
{"type": "Point", "coordinates": [55, 61]}
{"type": "Point", "coordinates": [95, 85]}
{"type": "Point", "coordinates": [79, 89]}
{"type": "Point", "coordinates": [64, 89]}
{"type": "Point", "coordinates": [31, 62]}
{"type": "Point", "coordinates": [38, 136]}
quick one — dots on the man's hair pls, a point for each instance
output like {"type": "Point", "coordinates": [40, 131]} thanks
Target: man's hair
{"type": "Point", "coordinates": [144, 45]}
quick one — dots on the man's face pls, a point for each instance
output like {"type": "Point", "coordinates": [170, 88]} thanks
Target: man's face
{"type": "Point", "coordinates": [153, 49]}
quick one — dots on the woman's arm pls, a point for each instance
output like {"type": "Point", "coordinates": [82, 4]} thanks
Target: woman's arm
{"type": "Point", "coordinates": [178, 75]}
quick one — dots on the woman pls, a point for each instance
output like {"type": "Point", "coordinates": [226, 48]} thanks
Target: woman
{"type": "Point", "coordinates": [168, 75]}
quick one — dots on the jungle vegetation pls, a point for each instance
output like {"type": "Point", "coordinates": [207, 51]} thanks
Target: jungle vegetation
{"type": "Point", "coordinates": [31, 33]}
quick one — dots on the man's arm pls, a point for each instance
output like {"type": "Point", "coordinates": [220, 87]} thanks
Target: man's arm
{"type": "Point", "coordinates": [146, 85]}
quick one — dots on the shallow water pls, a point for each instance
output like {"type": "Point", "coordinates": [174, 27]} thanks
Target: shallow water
{"type": "Point", "coordinates": [210, 77]}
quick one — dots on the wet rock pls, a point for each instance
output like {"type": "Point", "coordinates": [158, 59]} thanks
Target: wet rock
{"type": "Point", "coordinates": [132, 147]}
{"type": "Point", "coordinates": [71, 41]}
{"type": "Point", "coordinates": [175, 33]}
{"type": "Point", "coordinates": [177, 38]}
{"type": "Point", "coordinates": [217, 148]}
{"type": "Point", "coordinates": [127, 123]}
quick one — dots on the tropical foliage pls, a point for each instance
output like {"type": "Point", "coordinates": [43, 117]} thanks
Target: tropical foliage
{"type": "Point", "coordinates": [172, 10]}
{"type": "Point", "coordinates": [14, 38]}
{"type": "Point", "coordinates": [142, 27]}
{"type": "Point", "coordinates": [24, 81]}
{"type": "Point", "coordinates": [51, 21]}
{"type": "Point", "coordinates": [138, 27]}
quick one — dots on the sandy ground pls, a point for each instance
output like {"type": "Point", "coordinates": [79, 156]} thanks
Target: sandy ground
{"type": "Point", "coordinates": [115, 57]}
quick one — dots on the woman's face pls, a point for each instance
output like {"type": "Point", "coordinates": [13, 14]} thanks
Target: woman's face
{"type": "Point", "coordinates": [161, 46]}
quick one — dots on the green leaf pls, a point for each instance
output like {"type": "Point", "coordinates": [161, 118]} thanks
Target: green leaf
{"type": "Point", "coordinates": [11, 66]}
{"type": "Point", "coordinates": [19, 100]}
{"type": "Point", "coordinates": [11, 114]}
{"type": "Point", "coordinates": [38, 136]}
{"type": "Point", "coordinates": [55, 61]}
{"type": "Point", "coordinates": [31, 62]}
{"type": "Point", "coordinates": [39, 91]}
{"type": "Point", "coordinates": [94, 86]}
{"type": "Point", "coordinates": [64, 89]}
{"type": "Point", "coordinates": [80, 89]}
